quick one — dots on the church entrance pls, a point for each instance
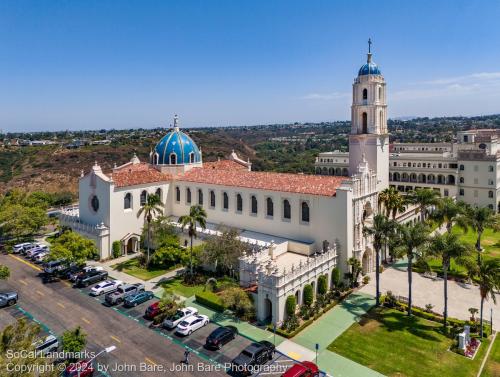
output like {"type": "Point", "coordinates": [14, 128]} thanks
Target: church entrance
{"type": "Point", "coordinates": [367, 261]}
{"type": "Point", "coordinates": [268, 310]}
{"type": "Point", "coordinates": [132, 245]}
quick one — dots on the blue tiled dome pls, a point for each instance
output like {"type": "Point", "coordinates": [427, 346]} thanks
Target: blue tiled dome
{"type": "Point", "coordinates": [176, 148]}
{"type": "Point", "coordinates": [369, 69]}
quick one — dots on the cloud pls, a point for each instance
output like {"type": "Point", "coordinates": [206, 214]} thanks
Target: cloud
{"type": "Point", "coordinates": [325, 96]}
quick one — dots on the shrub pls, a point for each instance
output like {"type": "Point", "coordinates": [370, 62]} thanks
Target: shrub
{"type": "Point", "coordinates": [322, 285]}
{"type": "Point", "coordinates": [290, 305]}
{"type": "Point", "coordinates": [239, 301]}
{"type": "Point", "coordinates": [335, 277]}
{"type": "Point", "coordinates": [308, 294]}
{"type": "Point", "coordinates": [210, 300]}
{"type": "Point", "coordinates": [366, 279]}
{"type": "Point", "coordinates": [117, 249]}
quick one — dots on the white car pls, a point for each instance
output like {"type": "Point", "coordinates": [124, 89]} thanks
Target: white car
{"type": "Point", "coordinates": [181, 315]}
{"type": "Point", "coordinates": [39, 258]}
{"type": "Point", "coordinates": [191, 324]}
{"type": "Point", "coordinates": [20, 247]}
{"type": "Point", "coordinates": [105, 287]}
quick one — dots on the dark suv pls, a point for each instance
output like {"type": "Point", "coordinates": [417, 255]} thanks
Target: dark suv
{"type": "Point", "coordinates": [91, 277]}
{"type": "Point", "coordinates": [251, 357]}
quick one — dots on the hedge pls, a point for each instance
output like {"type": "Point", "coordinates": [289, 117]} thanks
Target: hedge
{"type": "Point", "coordinates": [322, 284]}
{"type": "Point", "coordinates": [290, 305]}
{"type": "Point", "coordinates": [210, 300]}
{"type": "Point", "coordinates": [308, 294]}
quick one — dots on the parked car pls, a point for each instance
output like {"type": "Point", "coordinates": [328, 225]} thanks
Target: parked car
{"type": "Point", "coordinates": [86, 269]}
{"type": "Point", "coordinates": [221, 336]}
{"type": "Point", "coordinates": [49, 344]}
{"type": "Point", "coordinates": [40, 257]}
{"type": "Point", "coordinates": [69, 269]}
{"type": "Point", "coordinates": [35, 250]}
{"type": "Point", "coordinates": [91, 277]}
{"type": "Point", "coordinates": [106, 286]}
{"type": "Point", "coordinates": [253, 355]}
{"type": "Point", "coordinates": [16, 249]}
{"type": "Point", "coordinates": [28, 247]}
{"type": "Point", "coordinates": [50, 278]}
{"type": "Point", "coordinates": [54, 266]}
{"type": "Point", "coordinates": [8, 298]}
{"type": "Point", "coordinates": [123, 292]}
{"type": "Point", "coordinates": [190, 324]}
{"type": "Point", "coordinates": [152, 310]}
{"type": "Point", "coordinates": [83, 368]}
{"type": "Point", "coordinates": [138, 298]}
{"type": "Point", "coordinates": [181, 315]}
{"type": "Point", "coordinates": [302, 369]}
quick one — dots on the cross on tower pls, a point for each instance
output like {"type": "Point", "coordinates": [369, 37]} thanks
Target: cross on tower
{"type": "Point", "coordinates": [369, 45]}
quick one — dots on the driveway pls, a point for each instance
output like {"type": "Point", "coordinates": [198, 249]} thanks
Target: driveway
{"type": "Point", "coordinates": [461, 296]}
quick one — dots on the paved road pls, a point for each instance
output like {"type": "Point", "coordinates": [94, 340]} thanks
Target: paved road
{"type": "Point", "coordinates": [61, 307]}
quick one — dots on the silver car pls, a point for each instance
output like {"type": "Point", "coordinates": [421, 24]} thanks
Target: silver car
{"type": "Point", "coordinates": [8, 298]}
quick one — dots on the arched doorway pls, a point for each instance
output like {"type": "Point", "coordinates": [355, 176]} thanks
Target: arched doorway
{"type": "Point", "coordinates": [268, 310]}
{"type": "Point", "coordinates": [367, 261]}
{"type": "Point", "coordinates": [297, 297]}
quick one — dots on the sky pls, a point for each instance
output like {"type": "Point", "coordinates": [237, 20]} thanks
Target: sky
{"type": "Point", "coordinates": [127, 64]}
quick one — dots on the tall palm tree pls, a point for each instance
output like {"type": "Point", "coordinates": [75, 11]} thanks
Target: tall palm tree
{"type": "Point", "coordinates": [412, 240]}
{"type": "Point", "coordinates": [197, 215]}
{"type": "Point", "coordinates": [488, 276]}
{"type": "Point", "coordinates": [448, 247]}
{"type": "Point", "coordinates": [393, 202]}
{"type": "Point", "coordinates": [423, 199]}
{"type": "Point", "coordinates": [381, 230]}
{"type": "Point", "coordinates": [478, 219]}
{"type": "Point", "coordinates": [449, 211]}
{"type": "Point", "coordinates": [153, 207]}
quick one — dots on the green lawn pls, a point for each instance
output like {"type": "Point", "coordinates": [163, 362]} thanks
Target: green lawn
{"type": "Point", "coordinates": [177, 286]}
{"type": "Point", "coordinates": [395, 345]}
{"type": "Point", "coordinates": [492, 367]}
{"type": "Point", "coordinates": [133, 268]}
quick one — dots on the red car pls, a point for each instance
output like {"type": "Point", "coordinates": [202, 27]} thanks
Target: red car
{"type": "Point", "coordinates": [152, 311]}
{"type": "Point", "coordinates": [84, 367]}
{"type": "Point", "coordinates": [302, 369]}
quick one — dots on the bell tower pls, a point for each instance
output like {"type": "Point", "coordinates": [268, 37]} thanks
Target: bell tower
{"type": "Point", "coordinates": [369, 138]}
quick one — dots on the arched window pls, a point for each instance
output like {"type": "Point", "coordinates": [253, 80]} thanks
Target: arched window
{"type": "Point", "coordinates": [200, 197]}
{"type": "Point", "coordinates": [159, 193]}
{"type": "Point", "coordinates": [94, 203]}
{"type": "Point", "coordinates": [225, 200]}
{"type": "Point", "coordinates": [365, 123]}
{"type": "Point", "coordinates": [490, 194]}
{"type": "Point", "coordinates": [380, 93]}
{"type": "Point", "coordinates": [461, 180]}
{"type": "Point", "coordinates": [127, 201]}
{"type": "Point", "coordinates": [239, 203]}
{"type": "Point", "coordinates": [305, 212]}
{"type": "Point", "coordinates": [173, 159]}
{"type": "Point", "coordinates": [155, 159]}
{"type": "Point", "coordinates": [270, 207]}
{"type": "Point", "coordinates": [381, 117]}
{"type": "Point", "coordinates": [191, 157]}
{"type": "Point", "coordinates": [254, 204]}
{"type": "Point", "coordinates": [212, 198]}
{"type": "Point", "coordinates": [188, 195]}
{"type": "Point", "coordinates": [287, 210]}
{"type": "Point", "coordinates": [144, 197]}
{"type": "Point", "coordinates": [177, 194]}
{"type": "Point", "coordinates": [462, 167]}
{"type": "Point", "coordinates": [365, 94]}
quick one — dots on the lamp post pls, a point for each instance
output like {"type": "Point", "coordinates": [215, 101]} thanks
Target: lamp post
{"type": "Point", "coordinates": [105, 350]}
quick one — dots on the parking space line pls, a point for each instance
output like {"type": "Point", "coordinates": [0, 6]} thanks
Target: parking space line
{"type": "Point", "coordinates": [40, 293]}
{"type": "Point", "coordinates": [86, 320]}
{"type": "Point", "coordinates": [150, 361]}
{"type": "Point", "coordinates": [61, 305]}
{"type": "Point", "coordinates": [22, 282]}
{"type": "Point", "coordinates": [27, 263]}
{"type": "Point", "coordinates": [115, 338]}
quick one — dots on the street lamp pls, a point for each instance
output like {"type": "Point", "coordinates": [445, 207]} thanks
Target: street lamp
{"type": "Point", "coordinates": [105, 350]}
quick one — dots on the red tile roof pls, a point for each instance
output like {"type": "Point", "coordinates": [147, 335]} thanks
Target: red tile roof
{"type": "Point", "coordinates": [224, 165]}
{"type": "Point", "coordinates": [296, 183]}
{"type": "Point", "coordinates": [137, 174]}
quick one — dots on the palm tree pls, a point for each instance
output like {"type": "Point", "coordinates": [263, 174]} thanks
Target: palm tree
{"type": "Point", "coordinates": [197, 215]}
{"type": "Point", "coordinates": [488, 276]}
{"type": "Point", "coordinates": [423, 198]}
{"type": "Point", "coordinates": [393, 202]}
{"type": "Point", "coordinates": [448, 247]}
{"type": "Point", "coordinates": [449, 211]}
{"type": "Point", "coordinates": [412, 240]}
{"type": "Point", "coordinates": [153, 207]}
{"type": "Point", "coordinates": [381, 230]}
{"type": "Point", "coordinates": [478, 219]}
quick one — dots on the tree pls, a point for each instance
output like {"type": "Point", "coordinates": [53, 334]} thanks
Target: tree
{"type": "Point", "coordinates": [72, 247]}
{"type": "Point", "coordinates": [197, 215]}
{"type": "Point", "coordinates": [392, 201]}
{"type": "Point", "coordinates": [223, 251]}
{"type": "Point", "coordinates": [448, 247]}
{"type": "Point", "coordinates": [355, 266]}
{"type": "Point", "coordinates": [478, 219]}
{"type": "Point", "coordinates": [381, 229]}
{"type": "Point", "coordinates": [413, 239]}
{"type": "Point", "coordinates": [238, 300]}
{"type": "Point", "coordinates": [117, 249]}
{"type": "Point", "coordinates": [150, 209]}
{"type": "Point", "coordinates": [447, 212]}
{"type": "Point", "coordinates": [308, 294]}
{"type": "Point", "coordinates": [16, 348]}
{"type": "Point", "coordinates": [335, 277]}
{"type": "Point", "coordinates": [4, 272]}
{"type": "Point", "coordinates": [73, 341]}
{"type": "Point", "coordinates": [169, 304]}
{"type": "Point", "coordinates": [423, 199]}
{"type": "Point", "coordinates": [487, 273]}
{"type": "Point", "coordinates": [322, 284]}
{"type": "Point", "coordinates": [163, 233]}
{"type": "Point", "coordinates": [290, 305]}
{"type": "Point", "coordinates": [19, 221]}
{"type": "Point", "coordinates": [167, 256]}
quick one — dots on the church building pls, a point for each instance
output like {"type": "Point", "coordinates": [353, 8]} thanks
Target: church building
{"type": "Point", "coordinates": [299, 226]}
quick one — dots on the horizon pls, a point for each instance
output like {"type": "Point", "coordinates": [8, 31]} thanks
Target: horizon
{"type": "Point", "coordinates": [113, 65]}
